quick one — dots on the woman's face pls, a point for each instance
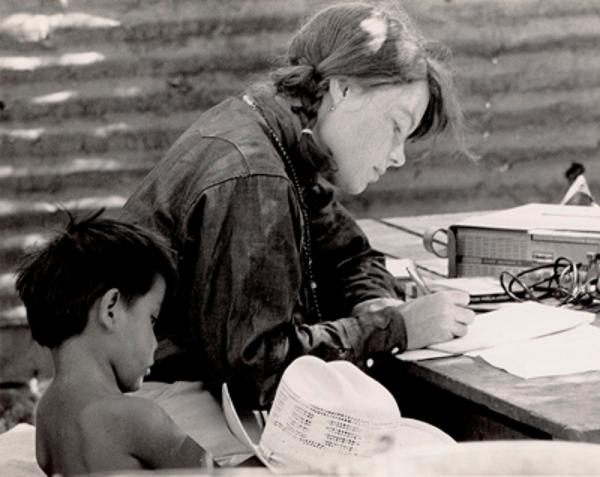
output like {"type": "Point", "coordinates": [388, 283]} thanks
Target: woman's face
{"type": "Point", "coordinates": [367, 129]}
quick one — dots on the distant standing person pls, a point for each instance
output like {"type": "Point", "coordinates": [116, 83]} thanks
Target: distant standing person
{"type": "Point", "coordinates": [271, 265]}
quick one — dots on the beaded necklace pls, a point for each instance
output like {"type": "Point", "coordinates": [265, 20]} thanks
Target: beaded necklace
{"type": "Point", "coordinates": [306, 248]}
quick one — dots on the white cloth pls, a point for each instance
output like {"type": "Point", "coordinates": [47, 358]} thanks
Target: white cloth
{"type": "Point", "coordinates": [17, 452]}
{"type": "Point", "coordinates": [199, 414]}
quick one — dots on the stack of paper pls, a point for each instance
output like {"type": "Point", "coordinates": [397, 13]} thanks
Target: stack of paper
{"type": "Point", "coordinates": [513, 323]}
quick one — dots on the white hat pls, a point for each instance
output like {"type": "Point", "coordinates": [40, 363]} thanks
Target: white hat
{"type": "Point", "coordinates": [328, 416]}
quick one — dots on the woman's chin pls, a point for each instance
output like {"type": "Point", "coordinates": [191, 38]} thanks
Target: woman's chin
{"type": "Point", "coordinates": [357, 189]}
{"type": "Point", "coordinates": [352, 188]}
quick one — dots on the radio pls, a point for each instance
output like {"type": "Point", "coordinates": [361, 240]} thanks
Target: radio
{"type": "Point", "coordinates": [522, 237]}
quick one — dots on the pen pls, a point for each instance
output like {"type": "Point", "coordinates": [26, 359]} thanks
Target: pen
{"type": "Point", "coordinates": [413, 272]}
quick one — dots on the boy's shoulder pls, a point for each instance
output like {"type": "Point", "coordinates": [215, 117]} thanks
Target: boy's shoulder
{"type": "Point", "coordinates": [115, 411]}
{"type": "Point", "coordinates": [116, 423]}
{"type": "Point", "coordinates": [119, 415]}
{"type": "Point", "coordinates": [137, 427]}
{"type": "Point", "coordinates": [74, 430]}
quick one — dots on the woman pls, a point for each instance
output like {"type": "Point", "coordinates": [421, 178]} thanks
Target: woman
{"type": "Point", "coordinates": [271, 266]}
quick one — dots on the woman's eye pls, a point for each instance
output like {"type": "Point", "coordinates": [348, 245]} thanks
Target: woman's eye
{"type": "Point", "coordinates": [153, 319]}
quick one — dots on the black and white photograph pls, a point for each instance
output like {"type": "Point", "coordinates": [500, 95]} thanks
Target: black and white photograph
{"type": "Point", "coordinates": [244, 238]}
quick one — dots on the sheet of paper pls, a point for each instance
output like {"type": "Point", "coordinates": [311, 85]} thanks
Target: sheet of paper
{"type": "Point", "coordinates": [471, 285]}
{"type": "Point", "coordinates": [437, 266]}
{"type": "Point", "coordinates": [573, 351]}
{"type": "Point", "coordinates": [513, 323]}
{"type": "Point", "coordinates": [421, 354]}
{"type": "Point", "coordinates": [540, 216]}
{"type": "Point", "coordinates": [398, 266]}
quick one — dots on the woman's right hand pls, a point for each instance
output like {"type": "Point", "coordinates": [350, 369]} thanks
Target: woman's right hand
{"type": "Point", "coordinates": [435, 318]}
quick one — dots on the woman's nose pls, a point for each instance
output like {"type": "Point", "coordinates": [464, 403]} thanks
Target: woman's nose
{"type": "Point", "coordinates": [397, 158]}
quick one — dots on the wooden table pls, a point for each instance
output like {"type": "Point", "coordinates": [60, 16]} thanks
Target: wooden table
{"type": "Point", "coordinates": [468, 398]}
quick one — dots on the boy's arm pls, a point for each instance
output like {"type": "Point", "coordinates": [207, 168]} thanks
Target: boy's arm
{"type": "Point", "coordinates": [158, 442]}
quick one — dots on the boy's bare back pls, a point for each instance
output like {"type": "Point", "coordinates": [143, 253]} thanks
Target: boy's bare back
{"type": "Point", "coordinates": [81, 431]}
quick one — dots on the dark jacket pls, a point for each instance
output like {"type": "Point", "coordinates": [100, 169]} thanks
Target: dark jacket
{"type": "Point", "coordinates": [223, 199]}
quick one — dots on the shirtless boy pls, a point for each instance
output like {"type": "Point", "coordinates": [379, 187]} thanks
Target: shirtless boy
{"type": "Point", "coordinates": [92, 295]}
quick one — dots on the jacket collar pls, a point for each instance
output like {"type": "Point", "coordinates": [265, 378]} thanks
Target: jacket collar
{"type": "Point", "coordinates": [278, 116]}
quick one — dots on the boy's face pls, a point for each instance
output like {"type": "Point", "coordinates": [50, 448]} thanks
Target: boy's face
{"type": "Point", "coordinates": [138, 342]}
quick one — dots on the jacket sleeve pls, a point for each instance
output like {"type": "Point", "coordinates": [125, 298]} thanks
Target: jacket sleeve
{"type": "Point", "coordinates": [349, 271]}
{"type": "Point", "coordinates": [247, 279]}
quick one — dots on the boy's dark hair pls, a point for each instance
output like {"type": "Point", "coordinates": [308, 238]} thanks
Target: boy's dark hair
{"type": "Point", "coordinates": [60, 282]}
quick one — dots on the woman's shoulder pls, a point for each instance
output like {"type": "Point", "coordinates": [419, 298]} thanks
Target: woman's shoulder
{"type": "Point", "coordinates": [230, 137]}
{"type": "Point", "coordinates": [226, 146]}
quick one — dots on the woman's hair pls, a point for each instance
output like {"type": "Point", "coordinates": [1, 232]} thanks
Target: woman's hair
{"type": "Point", "coordinates": [374, 44]}
{"type": "Point", "coordinates": [60, 281]}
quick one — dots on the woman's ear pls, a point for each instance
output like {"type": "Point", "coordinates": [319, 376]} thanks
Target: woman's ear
{"type": "Point", "coordinates": [338, 89]}
{"type": "Point", "coordinates": [343, 89]}
{"type": "Point", "coordinates": [108, 308]}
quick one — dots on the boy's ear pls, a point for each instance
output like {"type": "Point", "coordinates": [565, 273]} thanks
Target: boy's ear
{"type": "Point", "coordinates": [107, 313]}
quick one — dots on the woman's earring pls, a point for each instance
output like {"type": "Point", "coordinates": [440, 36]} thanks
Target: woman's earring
{"type": "Point", "coordinates": [332, 108]}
